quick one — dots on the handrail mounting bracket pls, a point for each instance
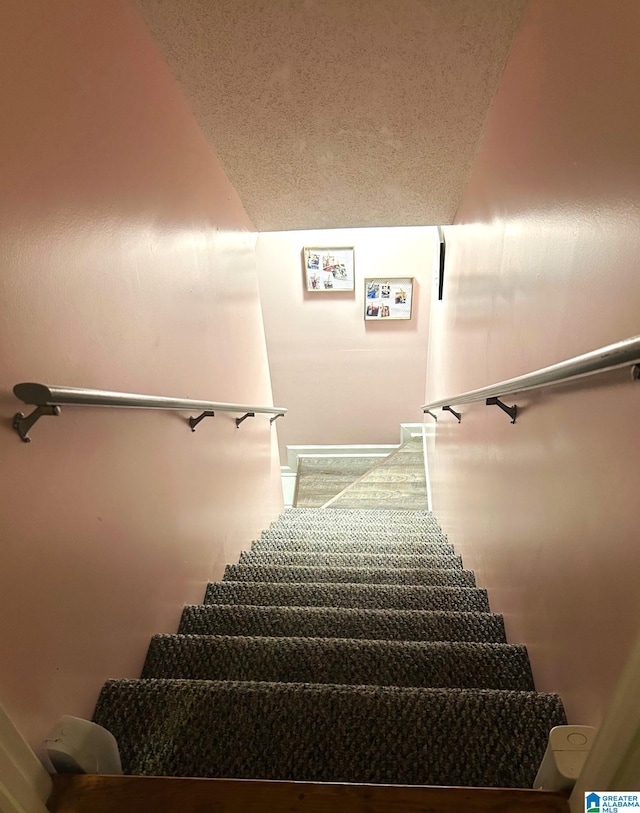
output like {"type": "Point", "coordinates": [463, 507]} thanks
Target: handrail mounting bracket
{"type": "Point", "coordinates": [511, 411]}
{"type": "Point", "coordinates": [244, 418]}
{"type": "Point", "coordinates": [453, 412]}
{"type": "Point", "coordinates": [275, 417]}
{"type": "Point", "coordinates": [193, 422]}
{"type": "Point", "coordinates": [23, 423]}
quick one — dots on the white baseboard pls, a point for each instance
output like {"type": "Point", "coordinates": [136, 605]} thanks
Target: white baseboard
{"type": "Point", "coordinates": [288, 477]}
{"type": "Point", "coordinates": [416, 430]}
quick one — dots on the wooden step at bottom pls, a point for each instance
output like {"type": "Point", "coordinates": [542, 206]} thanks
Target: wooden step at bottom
{"type": "Point", "coordinates": [313, 732]}
{"type": "Point", "coordinates": [147, 794]}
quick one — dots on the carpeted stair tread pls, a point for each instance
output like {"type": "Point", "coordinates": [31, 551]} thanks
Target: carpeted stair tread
{"type": "Point", "coordinates": [382, 530]}
{"type": "Point", "coordinates": [352, 535]}
{"type": "Point", "coordinates": [357, 516]}
{"type": "Point", "coordinates": [358, 512]}
{"type": "Point", "coordinates": [316, 732]}
{"type": "Point", "coordinates": [342, 622]}
{"type": "Point", "coordinates": [348, 661]}
{"type": "Point", "coordinates": [349, 645]}
{"type": "Point", "coordinates": [373, 524]}
{"type": "Point", "coordinates": [350, 575]}
{"type": "Point", "coordinates": [323, 559]}
{"type": "Point", "coordinates": [368, 596]}
{"type": "Point", "coordinates": [415, 548]}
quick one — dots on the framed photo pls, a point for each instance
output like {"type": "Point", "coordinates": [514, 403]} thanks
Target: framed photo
{"type": "Point", "coordinates": [388, 298]}
{"type": "Point", "coordinates": [329, 269]}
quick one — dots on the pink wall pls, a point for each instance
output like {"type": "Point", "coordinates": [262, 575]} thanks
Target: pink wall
{"type": "Point", "coordinates": [541, 266]}
{"type": "Point", "coordinates": [126, 263]}
{"type": "Point", "coordinates": [344, 379]}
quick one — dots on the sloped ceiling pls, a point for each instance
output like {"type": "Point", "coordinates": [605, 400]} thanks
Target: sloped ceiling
{"type": "Point", "coordinates": [337, 113]}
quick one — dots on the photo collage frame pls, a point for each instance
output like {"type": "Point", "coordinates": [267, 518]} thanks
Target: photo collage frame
{"type": "Point", "coordinates": [388, 298]}
{"type": "Point", "coordinates": [329, 270]}
{"type": "Point", "coordinates": [332, 270]}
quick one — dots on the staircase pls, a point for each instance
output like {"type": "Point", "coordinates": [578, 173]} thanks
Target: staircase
{"type": "Point", "coordinates": [346, 646]}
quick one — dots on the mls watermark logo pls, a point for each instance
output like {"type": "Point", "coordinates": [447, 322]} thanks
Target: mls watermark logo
{"type": "Point", "coordinates": [606, 802]}
{"type": "Point", "coordinates": [592, 803]}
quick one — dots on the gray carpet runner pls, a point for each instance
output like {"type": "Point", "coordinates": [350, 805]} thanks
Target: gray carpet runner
{"type": "Point", "coordinates": [346, 646]}
{"type": "Point", "coordinates": [355, 535]}
{"type": "Point", "coordinates": [386, 546]}
{"type": "Point", "coordinates": [342, 622]}
{"type": "Point", "coordinates": [358, 560]}
{"type": "Point", "coordinates": [350, 575]}
{"type": "Point", "coordinates": [351, 516]}
{"type": "Point", "coordinates": [368, 596]}
{"type": "Point", "coordinates": [359, 519]}
{"type": "Point", "coordinates": [338, 660]}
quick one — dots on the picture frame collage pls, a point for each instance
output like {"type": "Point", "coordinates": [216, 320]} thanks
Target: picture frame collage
{"type": "Point", "coordinates": [332, 269]}
{"type": "Point", "coordinates": [329, 269]}
{"type": "Point", "coordinates": [388, 298]}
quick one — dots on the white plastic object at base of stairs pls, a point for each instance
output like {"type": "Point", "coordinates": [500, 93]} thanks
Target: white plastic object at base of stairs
{"type": "Point", "coordinates": [79, 746]}
{"type": "Point", "coordinates": [567, 751]}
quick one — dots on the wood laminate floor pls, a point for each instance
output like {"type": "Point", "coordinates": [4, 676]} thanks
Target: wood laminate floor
{"type": "Point", "coordinates": [322, 478]}
{"type": "Point", "coordinates": [397, 482]}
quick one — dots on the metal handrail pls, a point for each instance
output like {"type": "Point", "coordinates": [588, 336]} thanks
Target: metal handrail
{"type": "Point", "coordinates": [48, 401]}
{"type": "Point", "coordinates": [611, 357]}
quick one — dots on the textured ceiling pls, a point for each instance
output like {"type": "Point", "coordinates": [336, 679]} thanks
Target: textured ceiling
{"type": "Point", "coordinates": [337, 113]}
